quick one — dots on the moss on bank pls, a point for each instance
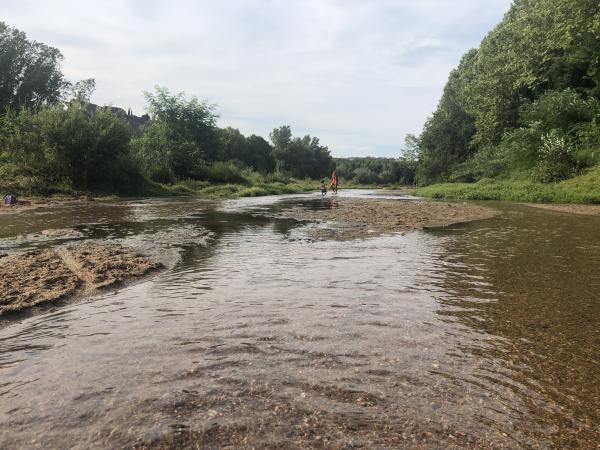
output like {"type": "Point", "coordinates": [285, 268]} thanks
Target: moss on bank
{"type": "Point", "coordinates": [580, 189]}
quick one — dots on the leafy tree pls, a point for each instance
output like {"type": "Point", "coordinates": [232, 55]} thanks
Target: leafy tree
{"type": "Point", "coordinates": [68, 146]}
{"type": "Point", "coordinates": [301, 157]}
{"type": "Point", "coordinates": [536, 74]}
{"type": "Point", "coordinates": [446, 137]}
{"type": "Point", "coordinates": [186, 135]}
{"type": "Point", "coordinates": [81, 91]}
{"type": "Point", "coordinates": [30, 73]}
{"type": "Point", "coordinates": [411, 148]}
{"type": "Point", "coordinates": [259, 154]}
{"type": "Point", "coordinates": [371, 170]}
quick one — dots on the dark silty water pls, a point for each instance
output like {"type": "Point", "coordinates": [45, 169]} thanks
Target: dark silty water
{"type": "Point", "coordinates": [484, 334]}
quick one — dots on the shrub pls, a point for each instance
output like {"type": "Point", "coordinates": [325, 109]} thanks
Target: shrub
{"type": "Point", "coordinates": [556, 158]}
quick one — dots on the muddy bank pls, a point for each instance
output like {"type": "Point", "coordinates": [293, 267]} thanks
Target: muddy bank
{"type": "Point", "coordinates": [41, 276]}
{"type": "Point", "coordinates": [347, 218]}
{"type": "Point", "coordinates": [32, 278]}
{"type": "Point", "coordinates": [29, 203]}
{"type": "Point", "coordinates": [588, 210]}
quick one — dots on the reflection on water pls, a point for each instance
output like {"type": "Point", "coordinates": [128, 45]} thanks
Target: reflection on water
{"type": "Point", "coordinates": [479, 334]}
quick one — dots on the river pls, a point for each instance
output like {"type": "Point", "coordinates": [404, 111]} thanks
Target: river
{"type": "Point", "coordinates": [484, 334]}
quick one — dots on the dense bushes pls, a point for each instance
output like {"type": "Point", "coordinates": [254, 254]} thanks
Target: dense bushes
{"type": "Point", "coordinates": [52, 139]}
{"type": "Point", "coordinates": [525, 104]}
{"type": "Point", "coordinates": [65, 148]}
{"type": "Point", "coordinates": [69, 147]}
{"type": "Point", "coordinates": [301, 157]}
{"type": "Point", "coordinates": [375, 170]}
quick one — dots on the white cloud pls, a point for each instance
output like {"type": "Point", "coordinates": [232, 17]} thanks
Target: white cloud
{"type": "Point", "coordinates": [358, 74]}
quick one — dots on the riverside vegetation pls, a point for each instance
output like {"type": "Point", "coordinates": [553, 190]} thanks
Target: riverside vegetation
{"type": "Point", "coordinates": [518, 120]}
{"type": "Point", "coordinates": [53, 141]}
{"type": "Point", "coordinates": [519, 117]}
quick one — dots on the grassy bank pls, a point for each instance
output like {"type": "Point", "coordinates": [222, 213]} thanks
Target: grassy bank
{"type": "Point", "coordinates": [581, 189]}
{"type": "Point", "coordinates": [250, 184]}
{"type": "Point", "coordinates": [232, 190]}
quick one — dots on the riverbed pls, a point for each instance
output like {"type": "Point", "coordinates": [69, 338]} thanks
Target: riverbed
{"type": "Point", "coordinates": [259, 334]}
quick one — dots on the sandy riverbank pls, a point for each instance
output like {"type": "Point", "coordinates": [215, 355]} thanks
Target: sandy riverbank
{"type": "Point", "coordinates": [588, 210]}
{"type": "Point", "coordinates": [41, 276]}
{"type": "Point", "coordinates": [347, 218]}
{"type": "Point", "coordinates": [29, 203]}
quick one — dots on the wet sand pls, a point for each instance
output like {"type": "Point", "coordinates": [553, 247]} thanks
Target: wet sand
{"type": "Point", "coordinates": [41, 276]}
{"type": "Point", "coordinates": [350, 218]}
{"type": "Point", "coordinates": [29, 203]}
{"type": "Point", "coordinates": [588, 210]}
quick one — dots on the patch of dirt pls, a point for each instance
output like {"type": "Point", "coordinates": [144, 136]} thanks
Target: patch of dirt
{"type": "Point", "coordinates": [27, 279]}
{"type": "Point", "coordinates": [105, 265]}
{"type": "Point", "coordinates": [588, 210]}
{"type": "Point", "coordinates": [348, 219]}
{"type": "Point", "coordinates": [61, 233]}
{"type": "Point", "coordinates": [32, 278]}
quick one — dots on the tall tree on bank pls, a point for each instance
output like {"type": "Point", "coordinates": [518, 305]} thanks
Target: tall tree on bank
{"type": "Point", "coordinates": [179, 139]}
{"type": "Point", "coordinates": [479, 129]}
{"type": "Point", "coordinates": [301, 157]}
{"type": "Point", "coordinates": [30, 73]}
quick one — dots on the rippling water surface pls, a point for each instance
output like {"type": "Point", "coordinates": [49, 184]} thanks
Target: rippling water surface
{"type": "Point", "coordinates": [481, 334]}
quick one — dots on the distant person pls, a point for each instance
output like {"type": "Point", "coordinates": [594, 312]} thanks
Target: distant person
{"type": "Point", "coordinates": [334, 181]}
{"type": "Point", "coordinates": [323, 189]}
{"type": "Point", "coordinates": [10, 199]}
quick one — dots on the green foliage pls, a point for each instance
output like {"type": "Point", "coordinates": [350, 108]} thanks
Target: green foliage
{"type": "Point", "coordinates": [525, 104]}
{"type": "Point", "coordinates": [375, 170]}
{"type": "Point", "coordinates": [300, 157]}
{"type": "Point", "coordinates": [30, 75]}
{"type": "Point", "coordinates": [66, 146]}
{"type": "Point", "coordinates": [446, 137]}
{"type": "Point", "coordinates": [252, 151]}
{"type": "Point", "coordinates": [556, 159]}
{"type": "Point", "coordinates": [222, 172]}
{"type": "Point", "coordinates": [258, 188]}
{"type": "Point", "coordinates": [179, 139]}
{"type": "Point", "coordinates": [580, 189]}
{"type": "Point", "coordinates": [153, 151]}
{"type": "Point", "coordinates": [561, 110]}
{"type": "Point", "coordinates": [53, 140]}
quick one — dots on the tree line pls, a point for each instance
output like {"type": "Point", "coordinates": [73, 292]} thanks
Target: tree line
{"type": "Point", "coordinates": [525, 104]}
{"type": "Point", "coordinates": [53, 139]}
{"type": "Point", "coordinates": [380, 171]}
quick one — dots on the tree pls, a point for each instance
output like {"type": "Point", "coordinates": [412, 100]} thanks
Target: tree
{"type": "Point", "coordinates": [490, 101]}
{"type": "Point", "coordinates": [259, 154]}
{"type": "Point", "coordinates": [30, 73]}
{"type": "Point", "coordinates": [411, 148]}
{"type": "Point", "coordinates": [300, 157]}
{"type": "Point", "coordinates": [67, 146]}
{"type": "Point", "coordinates": [185, 132]}
{"type": "Point", "coordinates": [81, 91]}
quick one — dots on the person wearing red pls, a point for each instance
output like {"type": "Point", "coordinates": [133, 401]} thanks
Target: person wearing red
{"type": "Point", "coordinates": [334, 181]}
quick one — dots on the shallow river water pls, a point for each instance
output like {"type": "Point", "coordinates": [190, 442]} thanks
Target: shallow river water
{"type": "Point", "coordinates": [484, 334]}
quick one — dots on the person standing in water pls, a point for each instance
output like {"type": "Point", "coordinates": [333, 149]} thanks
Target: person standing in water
{"type": "Point", "coordinates": [334, 181]}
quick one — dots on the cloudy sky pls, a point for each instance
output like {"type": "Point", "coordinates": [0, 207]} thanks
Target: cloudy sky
{"type": "Point", "coordinates": [359, 74]}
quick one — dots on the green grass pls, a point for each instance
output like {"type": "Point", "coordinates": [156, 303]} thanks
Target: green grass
{"type": "Point", "coordinates": [253, 185]}
{"type": "Point", "coordinates": [204, 190]}
{"type": "Point", "coordinates": [584, 188]}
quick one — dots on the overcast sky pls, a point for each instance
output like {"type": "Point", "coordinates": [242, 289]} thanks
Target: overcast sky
{"type": "Point", "coordinates": [358, 74]}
